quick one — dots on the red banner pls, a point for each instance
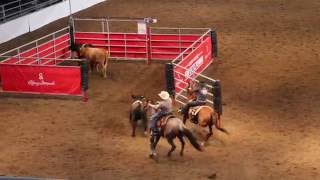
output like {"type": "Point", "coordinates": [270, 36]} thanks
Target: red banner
{"type": "Point", "coordinates": [193, 64]}
{"type": "Point", "coordinates": [53, 80]}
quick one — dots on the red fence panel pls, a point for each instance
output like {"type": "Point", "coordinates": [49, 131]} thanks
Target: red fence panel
{"type": "Point", "coordinates": [193, 64]}
{"type": "Point", "coordinates": [55, 80]}
{"type": "Point", "coordinates": [131, 45]}
{"type": "Point", "coordinates": [122, 45]}
{"type": "Point", "coordinates": [57, 48]}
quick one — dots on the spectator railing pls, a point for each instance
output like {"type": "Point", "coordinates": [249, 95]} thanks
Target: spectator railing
{"type": "Point", "coordinates": [13, 9]}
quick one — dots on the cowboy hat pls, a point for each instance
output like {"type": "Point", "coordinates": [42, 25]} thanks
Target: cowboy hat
{"type": "Point", "coordinates": [164, 95]}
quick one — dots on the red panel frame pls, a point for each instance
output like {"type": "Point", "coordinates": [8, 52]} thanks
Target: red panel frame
{"type": "Point", "coordinates": [132, 45]}
{"type": "Point", "coordinates": [193, 64]}
{"type": "Point", "coordinates": [54, 80]}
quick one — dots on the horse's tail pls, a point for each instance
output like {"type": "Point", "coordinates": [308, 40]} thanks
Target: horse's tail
{"type": "Point", "coordinates": [218, 122]}
{"type": "Point", "coordinates": [192, 139]}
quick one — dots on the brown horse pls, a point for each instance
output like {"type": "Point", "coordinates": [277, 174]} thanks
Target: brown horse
{"type": "Point", "coordinates": [203, 115]}
{"type": "Point", "coordinates": [96, 56]}
{"type": "Point", "coordinates": [172, 127]}
{"type": "Point", "coordinates": [138, 111]}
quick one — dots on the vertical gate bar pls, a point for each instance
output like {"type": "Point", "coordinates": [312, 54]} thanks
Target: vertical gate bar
{"type": "Point", "coordinates": [179, 32]}
{"type": "Point", "coordinates": [146, 44]}
{"type": "Point", "coordinates": [150, 35]}
{"type": "Point", "coordinates": [20, 9]}
{"type": "Point", "coordinates": [125, 45]}
{"type": "Point", "coordinates": [37, 51]}
{"type": "Point", "coordinates": [54, 46]}
{"type": "Point", "coordinates": [102, 26]}
{"type": "Point", "coordinates": [4, 14]}
{"type": "Point", "coordinates": [74, 29]}
{"type": "Point", "coordinates": [149, 44]}
{"type": "Point", "coordinates": [19, 56]}
{"type": "Point", "coordinates": [109, 41]}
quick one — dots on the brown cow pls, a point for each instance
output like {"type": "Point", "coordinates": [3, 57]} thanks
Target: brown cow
{"type": "Point", "coordinates": [96, 56]}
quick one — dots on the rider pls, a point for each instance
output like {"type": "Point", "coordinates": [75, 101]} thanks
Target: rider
{"type": "Point", "coordinates": [163, 108]}
{"type": "Point", "coordinates": [201, 93]}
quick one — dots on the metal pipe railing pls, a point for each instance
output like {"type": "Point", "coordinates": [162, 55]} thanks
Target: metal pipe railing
{"type": "Point", "coordinates": [17, 8]}
{"type": "Point", "coordinates": [56, 32]}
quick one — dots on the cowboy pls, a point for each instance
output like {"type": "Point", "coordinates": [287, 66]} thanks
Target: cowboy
{"type": "Point", "coordinates": [201, 98]}
{"type": "Point", "coordinates": [163, 108]}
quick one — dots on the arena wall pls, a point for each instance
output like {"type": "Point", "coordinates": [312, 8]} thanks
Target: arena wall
{"type": "Point", "coordinates": [38, 19]}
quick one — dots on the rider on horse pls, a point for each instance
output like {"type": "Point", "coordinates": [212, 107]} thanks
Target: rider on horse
{"type": "Point", "coordinates": [201, 98]}
{"type": "Point", "coordinates": [163, 108]}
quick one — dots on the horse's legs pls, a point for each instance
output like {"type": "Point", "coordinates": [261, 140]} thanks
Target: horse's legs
{"type": "Point", "coordinates": [153, 144]}
{"type": "Point", "coordinates": [145, 123]}
{"type": "Point", "coordinates": [170, 141]}
{"type": "Point", "coordinates": [134, 126]}
{"type": "Point", "coordinates": [210, 132]}
{"type": "Point", "coordinates": [182, 144]}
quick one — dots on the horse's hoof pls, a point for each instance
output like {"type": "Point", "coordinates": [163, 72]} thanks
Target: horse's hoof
{"type": "Point", "coordinates": [181, 154]}
{"type": "Point", "coordinates": [145, 133]}
{"type": "Point", "coordinates": [133, 135]}
{"type": "Point", "coordinates": [152, 154]}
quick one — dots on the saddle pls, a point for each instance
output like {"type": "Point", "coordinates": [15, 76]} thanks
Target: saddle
{"type": "Point", "coordinates": [193, 111]}
{"type": "Point", "coordinates": [163, 121]}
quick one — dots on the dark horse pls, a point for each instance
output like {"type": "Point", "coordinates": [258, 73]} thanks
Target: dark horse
{"type": "Point", "coordinates": [172, 127]}
{"type": "Point", "coordinates": [138, 111]}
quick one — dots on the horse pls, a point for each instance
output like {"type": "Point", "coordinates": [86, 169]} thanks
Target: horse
{"type": "Point", "coordinates": [204, 116]}
{"type": "Point", "coordinates": [138, 112]}
{"type": "Point", "coordinates": [172, 127]}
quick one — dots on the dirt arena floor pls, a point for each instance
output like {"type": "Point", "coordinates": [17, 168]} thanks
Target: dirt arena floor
{"type": "Point", "coordinates": [268, 64]}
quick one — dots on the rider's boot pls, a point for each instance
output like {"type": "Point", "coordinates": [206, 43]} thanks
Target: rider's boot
{"type": "Point", "coordinates": [185, 117]}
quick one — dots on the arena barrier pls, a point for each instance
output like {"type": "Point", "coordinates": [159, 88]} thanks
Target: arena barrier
{"type": "Point", "coordinates": [189, 65]}
{"type": "Point", "coordinates": [191, 50]}
{"type": "Point", "coordinates": [44, 66]}
{"type": "Point", "coordinates": [134, 38]}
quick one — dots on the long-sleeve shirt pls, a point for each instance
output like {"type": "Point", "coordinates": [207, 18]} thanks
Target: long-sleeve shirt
{"type": "Point", "coordinates": [201, 94]}
{"type": "Point", "coordinates": [165, 106]}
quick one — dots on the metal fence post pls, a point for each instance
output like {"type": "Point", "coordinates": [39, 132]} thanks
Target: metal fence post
{"type": "Point", "coordinates": [84, 79]}
{"type": "Point", "coordinates": [4, 13]}
{"type": "Point", "coordinates": [217, 96]}
{"type": "Point", "coordinates": [148, 44]}
{"type": "Point", "coordinates": [170, 83]}
{"type": "Point", "coordinates": [214, 41]}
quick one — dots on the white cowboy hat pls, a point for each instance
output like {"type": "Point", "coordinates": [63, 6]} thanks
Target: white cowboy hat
{"type": "Point", "coordinates": [164, 95]}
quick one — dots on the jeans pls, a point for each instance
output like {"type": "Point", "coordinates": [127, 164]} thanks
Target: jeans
{"type": "Point", "coordinates": [155, 117]}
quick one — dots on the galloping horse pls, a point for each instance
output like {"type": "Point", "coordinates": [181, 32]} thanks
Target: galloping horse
{"type": "Point", "coordinates": [138, 111]}
{"type": "Point", "coordinates": [203, 115]}
{"type": "Point", "coordinates": [172, 127]}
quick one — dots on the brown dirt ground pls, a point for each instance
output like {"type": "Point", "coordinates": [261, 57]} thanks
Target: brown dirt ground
{"type": "Point", "coordinates": [270, 72]}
